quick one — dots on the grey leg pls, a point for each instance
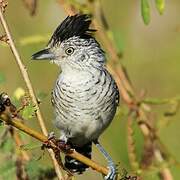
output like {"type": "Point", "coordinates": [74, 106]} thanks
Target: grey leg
{"type": "Point", "coordinates": [112, 167]}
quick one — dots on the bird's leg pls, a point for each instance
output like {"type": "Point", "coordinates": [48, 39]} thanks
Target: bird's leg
{"type": "Point", "coordinates": [50, 137]}
{"type": "Point", "coordinates": [63, 143]}
{"type": "Point", "coordinates": [112, 167]}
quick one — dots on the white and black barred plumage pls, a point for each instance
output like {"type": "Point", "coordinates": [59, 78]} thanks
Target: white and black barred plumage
{"type": "Point", "coordinates": [85, 96]}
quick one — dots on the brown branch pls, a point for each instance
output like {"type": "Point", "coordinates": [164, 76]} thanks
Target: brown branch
{"type": "Point", "coordinates": [131, 143]}
{"type": "Point", "coordinates": [26, 78]}
{"type": "Point", "coordinates": [21, 173]}
{"type": "Point", "coordinates": [15, 122]}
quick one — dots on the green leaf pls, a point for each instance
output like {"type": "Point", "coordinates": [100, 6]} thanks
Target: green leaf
{"type": "Point", "coordinates": [119, 40]}
{"type": "Point", "coordinates": [29, 111]}
{"type": "Point", "coordinates": [160, 4]}
{"type": "Point", "coordinates": [2, 78]}
{"type": "Point", "coordinates": [145, 11]}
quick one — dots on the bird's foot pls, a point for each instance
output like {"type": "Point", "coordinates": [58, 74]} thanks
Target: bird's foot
{"type": "Point", "coordinates": [47, 144]}
{"type": "Point", "coordinates": [65, 147]}
{"type": "Point", "coordinates": [51, 136]}
{"type": "Point", "coordinates": [112, 174]}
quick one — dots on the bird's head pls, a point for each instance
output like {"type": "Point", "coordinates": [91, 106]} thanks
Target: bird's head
{"type": "Point", "coordinates": [73, 45]}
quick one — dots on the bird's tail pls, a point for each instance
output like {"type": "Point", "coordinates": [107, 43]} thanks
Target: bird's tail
{"type": "Point", "coordinates": [74, 165]}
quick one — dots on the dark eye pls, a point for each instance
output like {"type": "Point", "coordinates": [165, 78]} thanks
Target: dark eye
{"type": "Point", "coordinates": [69, 50]}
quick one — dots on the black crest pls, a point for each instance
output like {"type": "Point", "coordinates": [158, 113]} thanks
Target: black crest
{"type": "Point", "coordinates": [77, 25]}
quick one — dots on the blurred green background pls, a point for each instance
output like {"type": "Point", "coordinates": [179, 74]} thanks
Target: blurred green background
{"type": "Point", "coordinates": [151, 55]}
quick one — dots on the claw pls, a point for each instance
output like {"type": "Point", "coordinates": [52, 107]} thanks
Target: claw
{"type": "Point", "coordinates": [51, 136]}
{"type": "Point", "coordinates": [64, 146]}
{"type": "Point", "coordinates": [112, 172]}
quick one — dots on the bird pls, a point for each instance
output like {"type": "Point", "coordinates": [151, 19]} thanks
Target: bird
{"type": "Point", "coordinates": [85, 96]}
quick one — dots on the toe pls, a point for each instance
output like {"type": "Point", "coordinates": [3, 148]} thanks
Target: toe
{"type": "Point", "coordinates": [112, 173]}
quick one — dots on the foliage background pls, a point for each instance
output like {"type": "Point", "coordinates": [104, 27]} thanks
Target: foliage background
{"type": "Point", "coordinates": [150, 54]}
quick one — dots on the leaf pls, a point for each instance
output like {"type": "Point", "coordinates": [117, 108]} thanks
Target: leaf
{"type": "Point", "coordinates": [29, 111]}
{"type": "Point", "coordinates": [145, 11]}
{"type": "Point", "coordinates": [119, 40]}
{"type": "Point", "coordinates": [160, 4]}
{"type": "Point", "coordinates": [2, 78]}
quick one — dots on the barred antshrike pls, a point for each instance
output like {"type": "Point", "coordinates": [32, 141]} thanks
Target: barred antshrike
{"type": "Point", "coordinates": [85, 96]}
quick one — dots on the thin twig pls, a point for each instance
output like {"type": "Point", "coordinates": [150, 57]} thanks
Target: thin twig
{"type": "Point", "coordinates": [131, 143]}
{"type": "Point", "coordinates": [157, 101]}
{"type": "Point", "coordinates": [165, 173]}
{"type": "Point", "coordinates": [18, 142]}
{"type": "Point", "coordinates": [26, 78]}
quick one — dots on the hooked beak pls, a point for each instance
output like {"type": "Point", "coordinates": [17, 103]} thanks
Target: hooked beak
{"type": "Point", "coordinates": [43, 54]}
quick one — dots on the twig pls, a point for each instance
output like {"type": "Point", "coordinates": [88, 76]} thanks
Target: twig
{"type": "Point", "coordinates": [165, 173]}
{"type": "Point", "coordinates": [156, 101]}
{"type": "Point", "coordinates": [19, 143]}
{"type": "Point", "coordinates": [21, 173]}
{"type": "Point", "coordinates": [131, 143]}
{"type": "Point", "coordinates": [15, 122]}
{"type": "Point", "coordinates": [25, 76]}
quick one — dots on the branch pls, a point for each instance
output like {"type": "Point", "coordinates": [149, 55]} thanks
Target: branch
{"type": "Point", "coordinates": [156, 101]}
{"type": "Point", "coordinates": [19, 143]}
{"type": "Point", "coordinates": [15, 122]}
{"type": "Point", "coordinates": [26, 78]}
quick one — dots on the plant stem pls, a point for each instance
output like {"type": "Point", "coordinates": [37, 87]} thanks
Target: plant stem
{"type": "Point", "coordinates": [15, 122]}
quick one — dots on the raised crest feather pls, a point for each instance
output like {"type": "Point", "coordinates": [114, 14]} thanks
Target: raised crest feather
{"type": "Point", "coordinates": [77, 25]}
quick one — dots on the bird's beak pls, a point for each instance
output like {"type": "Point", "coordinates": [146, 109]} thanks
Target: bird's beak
{"type": "Point", "coordinates": [43, 54]}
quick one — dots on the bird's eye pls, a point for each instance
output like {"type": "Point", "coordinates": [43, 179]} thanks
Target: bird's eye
{"type": "Point", "coordinates": [69, 50]}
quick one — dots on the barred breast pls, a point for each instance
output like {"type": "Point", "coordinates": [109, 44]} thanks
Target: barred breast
{"type": "Point", "coordinates": [84, 104]}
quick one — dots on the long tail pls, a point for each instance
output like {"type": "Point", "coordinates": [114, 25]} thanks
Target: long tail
{"type": "Point", "coordinates": [74, 165]}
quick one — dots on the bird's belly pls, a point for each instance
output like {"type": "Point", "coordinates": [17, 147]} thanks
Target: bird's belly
{"type": "Point", "coordinates": [83, 122]}
{"type": "Point", "coordinates": [84, 128]}
{"type": "Point", "coordinates": [83, 112]}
